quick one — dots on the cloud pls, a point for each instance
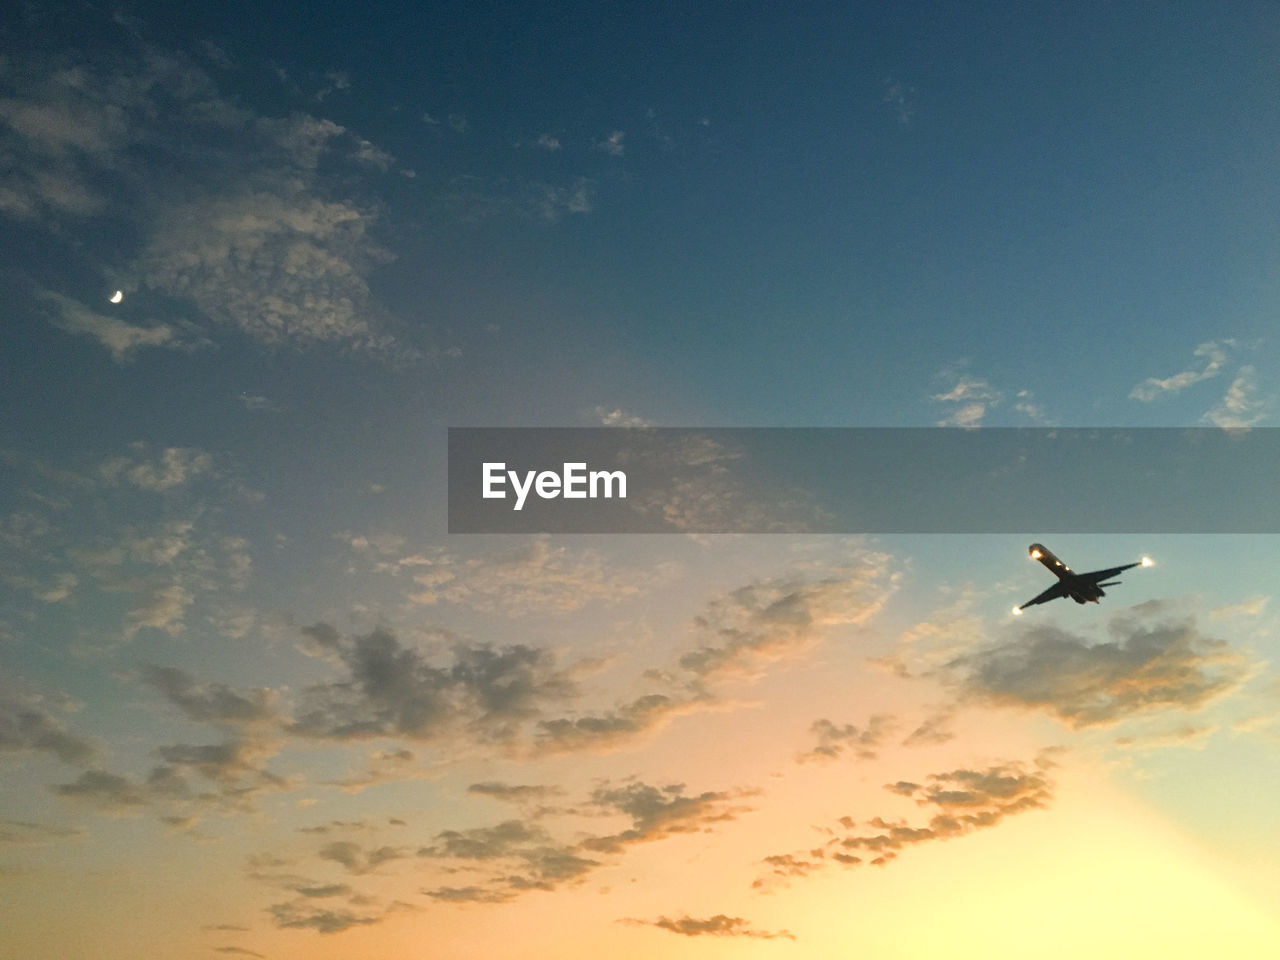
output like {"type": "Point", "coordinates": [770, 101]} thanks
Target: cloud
{"type": "Point", "coordinates": [764, 622]}
{"type": "Point", "coordinates": [474, 200]}
{"type": "Point", "coordinates": [963, 801]}
{"type": "Point", "coordinates": [1146, 668]}
{"type": "Point", "coordinates": [1240, 408]}
{"type": "Point", "coordinates": [620, 418]}
{"type": "Point", "coordinates": [659, 812]}
{"type": "Point", "coordinates": [933, 730]}
{"type": "Point", "coordinates": [522, 854]}
{"type": "Point", "coordinates": [533, 576]}
{"type": "Point", "coordinates": [55, 128]}
{"type": "Point", "coordinates": [1154, 388]}
{"type": "Point", "coordinates": [239, 952]}
{"type": "Point", "coordinates": [173, 467]}
{"type": "Point", "coordinates": [210, 702]}
{"type": "Point", "coordinates": [116, 795]}
{"type": "Point", "coordinates": [834, 740]}
{"type": "Point", "coordinates": [28, 722]}
{"type": "Point", "coordinates": [163, 609]}
{"type": "Point", "coordinates": [279, 265]}
{"type": "Point", "coordinates": [602, 731]}
{"type": "Point", "coordinates": [392, 690]}
{"type": "Point", "coordinates": [898, 95]}
{"type": "Point", "coordinates": [1251, 607]}
{"type": "Point", "coordinates": [612, 144]}
{"type": "Point", "coordinates": [970, 399]}
{"type": "Point", "coordinates": [119, 337]}
{"type": "Point", "coordinates": [471, 894]}
{"type": "Point", "coordinates": [236, 213]}
{"type": "Point", "coordinates": [718, 926]}
{"type": "Point", "coordinates": [514, 792]}
{"type": "Point", "coordinates": [547, 142]}
{"type": "Point", "coordinates": [543, 863]}
{"type": "Point", "coordinates": [301, 915]}
{"type": "Point", "coordinates": [24, 832]}
{"type": "Point", "coordinates": [355, 859]}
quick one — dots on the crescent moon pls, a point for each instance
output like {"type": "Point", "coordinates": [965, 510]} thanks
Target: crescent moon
{"type": "Point", "coordinates": [117, 296]}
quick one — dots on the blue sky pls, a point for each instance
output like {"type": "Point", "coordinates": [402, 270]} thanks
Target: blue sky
{"type": "Point", "coordinates": [255, 701]}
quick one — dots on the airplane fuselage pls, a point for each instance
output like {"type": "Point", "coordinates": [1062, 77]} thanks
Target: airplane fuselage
{"type": "Point", "coordinates": [1078, 589]}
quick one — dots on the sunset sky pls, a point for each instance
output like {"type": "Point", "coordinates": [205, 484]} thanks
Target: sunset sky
{"type": "Point", "coordinates": [255, 701]}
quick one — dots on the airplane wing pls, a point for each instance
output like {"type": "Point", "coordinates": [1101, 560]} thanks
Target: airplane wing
{"type": "Point", "coordinates": [1053, 593]}
{"type": "Point", "coordinates": [1099, 575]}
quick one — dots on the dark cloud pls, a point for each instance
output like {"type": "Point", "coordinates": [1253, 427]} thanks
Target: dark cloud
{"type": "Point", "coordinates": [209, 702]}
{"type": "Point", "coordinates": [28, 722]}
{"type": "Point", "coordinates": [602, 731]}
{"type": "Point", "coordinates": [933, 730]}
{"type": "Point", "coordinates": [114, 794]}
{"type": "Point", "coordinates": [513, 792]}
{"type": "Point", "coordinates": [485, 843]}
{"type": "Point", "coordinates": [356, 859]}
{"type": "Point", "coordinates": [393, 690]}
{"type": "Point", "coordinates": [1146, 668]}
{"type": "Point", "coordinates": [238, 951]}
{"type": "Point", "coordinates": [718, 926]}
{"type": "Point", "coordinates": [542, 862]}
{"type": "Point", "coordinates": [470, 894]}
{"type": "Point", "coordinates": [25, 832]}
{"type": "Point", "coordinates": [862, 742]}
{"type": "Point", "coordinates": [658, 812]}
{"type": "Point", "coordinates": [300, 915]}
{"type": "Point", "coordinates": [963, 801]}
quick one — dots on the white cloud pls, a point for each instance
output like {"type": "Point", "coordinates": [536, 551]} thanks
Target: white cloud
{"type": "Point", "coordinates": [970, 399]}
{"type": "Point", "coordinates": [613, 144]}
{"type": "Point", "coordinates": [1153, 388]}
{"type": "Point", "coordinates": [281, 265]}
{"type": "Point", "coordinates": [620, 418]}
{"type": "Point", "coordinates": [237, 218]}
{"type": "Point", "coordinates": [119, 337]}
{"type": "Point", "coordinates": [1240, 406]}
{"type": "Point", "coordinates": [173, 467]}
{"type": "Point", "coordinates": [532, 577]}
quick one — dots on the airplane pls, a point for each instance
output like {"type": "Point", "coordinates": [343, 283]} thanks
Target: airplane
{"type": "Point", "coordinates": [1080, 587]}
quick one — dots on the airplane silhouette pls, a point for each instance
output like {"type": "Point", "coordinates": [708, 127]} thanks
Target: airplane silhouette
{"type": "Point", "coordinates": [1080, 587]}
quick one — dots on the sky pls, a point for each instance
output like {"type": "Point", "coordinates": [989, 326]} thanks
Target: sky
{"type": "Point", "coordinates": [256, 701]}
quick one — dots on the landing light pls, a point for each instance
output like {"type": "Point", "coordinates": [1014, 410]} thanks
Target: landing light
{"type": "Point", "coordinates": [1147, 561]}
{"type": "Point", "coordinates": [1017, 611]}
{"type": "Point", "coordinates": [1035, 554]}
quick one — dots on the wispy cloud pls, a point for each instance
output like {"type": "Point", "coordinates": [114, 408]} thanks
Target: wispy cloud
{"type": "Point", "coordinates": [532, 577]}
{"type": "Point", "coordinates": [612, 144]}
{"type": "Point", "coordinates": [836, 739]}
{"type": "Point", "coordinates": [620, 418]}
{"type": "Point", "coordinates": [962, 800]}
{"type": "Point", "coordinates": [898, 95]}
{"type": "Point", "coordinates": [29, 721]}
{"type": "Point", "coordinates": [1154, 388]}
{"type": "Point", "coordinates": [968, 400]}
{"type": "Point", "coordinates": [122, 339]}
{"type": "Point", "coordinates": [243, 225]}
{"type": "Point", "coordinates": [720, 925]}
{"type": "Point", "coordinates": [144, 468]}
